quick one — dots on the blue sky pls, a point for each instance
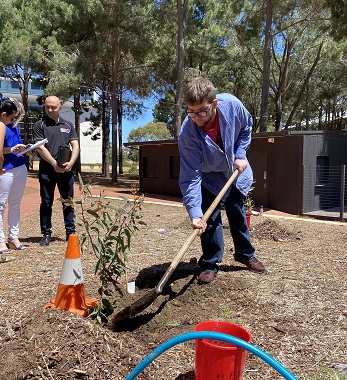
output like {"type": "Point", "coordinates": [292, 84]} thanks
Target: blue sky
{"type": "Point", "coordinates": [147, 117]}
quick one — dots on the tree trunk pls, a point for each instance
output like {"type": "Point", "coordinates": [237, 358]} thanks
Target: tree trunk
{"type": "Point", "coordinates": [304, 86]}
{"type": "Point", "coordinates": [107, 142]}
{"type": "Point", "coordinates": [120, 134]}
{"type": "Point", "coordinates": [23, 84]}
{"type": "Point", "coordinates": [181, 20]}
{"type": "Point", "coordinates": [278, 112]}
{"type": "Point", "coordinates": [281, 88]}
{"type": "Point", "coordinates": [264, 111]}
{"type": "Point", "coordinates": [25, 94]}
{"type": "Point", "coordinates": [320, 117]}
{"type": "Point", "coordinates": [105, 134]}
{"type": "Point", "coordinates": [114, 106]}
{"type": "Point", "coordinates": [77, 110]}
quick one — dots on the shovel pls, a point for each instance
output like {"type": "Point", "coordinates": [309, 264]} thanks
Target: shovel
{"type": "Point", "coordinates": [143, 302]}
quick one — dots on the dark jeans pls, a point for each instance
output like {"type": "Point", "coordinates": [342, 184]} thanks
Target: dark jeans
{"type": "Point", "coordinates": [49, 178]}
{"type": "Point", "coordinates": [212, 240]}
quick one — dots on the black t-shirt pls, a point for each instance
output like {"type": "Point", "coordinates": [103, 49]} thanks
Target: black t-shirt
{"type": "Point", "coordinates": [57, 134]}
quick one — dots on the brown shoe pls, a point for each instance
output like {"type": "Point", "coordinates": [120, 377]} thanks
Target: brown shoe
{"type": "Point", "coordinates": [206, 277]}
{"type": "Point", "coordinates": [253, 264]}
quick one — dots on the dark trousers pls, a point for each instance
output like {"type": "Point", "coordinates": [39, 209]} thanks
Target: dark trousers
{"type": "Point", "coordinates": [48, 179]}
{"type": "Point", "coordinates": [212, 240]}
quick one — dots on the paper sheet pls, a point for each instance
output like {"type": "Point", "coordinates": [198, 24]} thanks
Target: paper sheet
{"type": "Point", "coordinates": [31, 147]}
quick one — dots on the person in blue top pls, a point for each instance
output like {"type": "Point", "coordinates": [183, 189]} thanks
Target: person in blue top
{"type": "Point", "coordinates": [8, 113]}
{"type": "Point", "coordinates": [212, 143]}
{"type": "Point", "coordinates": [12, 184]}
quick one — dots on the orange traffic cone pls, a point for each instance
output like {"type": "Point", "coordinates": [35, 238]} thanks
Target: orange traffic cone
{"type": "Point", "coordinates": [70, 295]}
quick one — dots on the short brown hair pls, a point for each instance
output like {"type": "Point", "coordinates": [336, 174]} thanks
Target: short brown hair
{"type": "Point", "coordinates": [198, 90]}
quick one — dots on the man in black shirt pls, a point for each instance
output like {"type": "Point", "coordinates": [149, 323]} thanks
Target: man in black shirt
{"type": "Point", "coordinates": [59, 133]}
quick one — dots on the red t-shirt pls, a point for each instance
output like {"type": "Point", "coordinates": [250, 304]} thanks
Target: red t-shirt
{"type": "Point", "coordinates": [213, 131]}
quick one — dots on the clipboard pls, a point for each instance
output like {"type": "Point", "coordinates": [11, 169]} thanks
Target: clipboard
{"type": "Point", "coordinates": [31, 147]}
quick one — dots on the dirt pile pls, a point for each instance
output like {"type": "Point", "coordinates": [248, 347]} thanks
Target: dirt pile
{"type": "Point", "coordinates": [297, 312]}
{"type": "Point", "coordinates": [269, 229]}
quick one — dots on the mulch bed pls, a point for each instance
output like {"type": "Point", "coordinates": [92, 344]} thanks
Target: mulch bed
{"type": "Point", "coordinates": [296, 312]}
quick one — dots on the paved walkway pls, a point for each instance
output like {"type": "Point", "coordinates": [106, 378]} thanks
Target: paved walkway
{"type": "Point", "coordinates": [31, 199]}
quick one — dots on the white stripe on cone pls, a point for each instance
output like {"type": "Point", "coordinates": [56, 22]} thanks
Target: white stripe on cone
{"type": "Point", "coordinates": [71, 273]}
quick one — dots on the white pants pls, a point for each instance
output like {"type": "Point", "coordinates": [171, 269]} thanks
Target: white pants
{"type": "Point", "coordinates": [12, 185]}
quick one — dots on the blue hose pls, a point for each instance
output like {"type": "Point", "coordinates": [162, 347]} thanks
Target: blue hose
{"type": "Point", "coordinates": [210, 335]}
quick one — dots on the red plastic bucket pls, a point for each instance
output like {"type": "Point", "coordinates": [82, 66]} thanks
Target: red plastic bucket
{"type": "Point", "coordinates": [217, 359]}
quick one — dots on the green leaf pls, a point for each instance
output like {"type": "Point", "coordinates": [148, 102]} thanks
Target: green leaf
{"type": "Point", "coordinates": [107, 304]}
{"type": "Point", "coordinates": [92, 212]}
{"type": "Point", "coordinates": [108, 234]}
{"type": "Point", "coordinates": [110, 207]}
{"type": "Point", "coordinates": [98, 318]}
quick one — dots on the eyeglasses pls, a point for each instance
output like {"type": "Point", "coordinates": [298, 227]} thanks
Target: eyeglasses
{"type": "Point", "coordinates": [202, 113]}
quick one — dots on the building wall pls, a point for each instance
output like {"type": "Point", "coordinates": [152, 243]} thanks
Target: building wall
{"type": "Point", "coordinates": [276, 162]}
{"type": "Point", "coordinates": [284, 166]}
{"type": "Point", "coordinates": [90, 149]}
{"type": "Point", "coordinates": [159, 169]}
{"type": "Point", "coordinates": [329, 151]}
{"type": "Point", "coordinates": [10, 88]}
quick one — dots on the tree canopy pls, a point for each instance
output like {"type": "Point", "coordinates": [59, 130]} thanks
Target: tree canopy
{"type": "Point", "coordinates": [285, 60]}
{"type": "Point", "coordinates": [154, 131]}
{"type": "Point", "coordinates": [150, 132]}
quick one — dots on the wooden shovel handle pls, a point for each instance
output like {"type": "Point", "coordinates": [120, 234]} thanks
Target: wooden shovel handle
{"type": "Point", "coordinates": [194, 234]}
{"type": "Point", "coordinates": [219, 197]}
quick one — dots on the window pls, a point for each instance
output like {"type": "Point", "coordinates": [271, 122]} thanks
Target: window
{"type": "Point", "coordinates": [322, 170]}
{"type": "Point", "coordinates": [149, 167]}
{"type": "Point", "coordinates": [35, 86]}
{"type": "Point", "coordinates": [174, 169]}
{"type": "Point", "coordinates": [14, 85]}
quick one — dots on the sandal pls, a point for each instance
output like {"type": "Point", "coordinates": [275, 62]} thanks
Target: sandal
{"type": "Point", "coordinates": [12, 245]}
{"type": "Point", "coordinates": [6, 257]}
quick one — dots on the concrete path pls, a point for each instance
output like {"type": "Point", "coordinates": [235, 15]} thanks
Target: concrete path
{"type": "Point", "coordinates": [31, 199]}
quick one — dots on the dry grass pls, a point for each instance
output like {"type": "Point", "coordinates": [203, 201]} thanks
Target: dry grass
{"type": "Point", "coordinates": [296, 313]}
